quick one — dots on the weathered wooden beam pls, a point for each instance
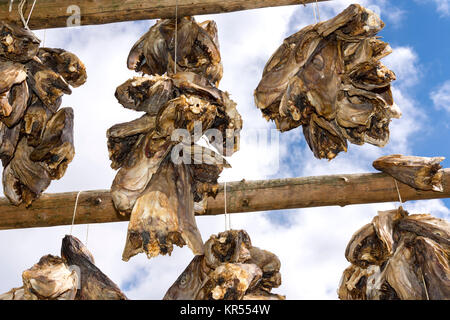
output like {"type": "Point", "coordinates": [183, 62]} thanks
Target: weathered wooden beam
{"type": "Point", "coordinates": [242, 196]}
{"type": "Point", "coordinates": [57, 13]}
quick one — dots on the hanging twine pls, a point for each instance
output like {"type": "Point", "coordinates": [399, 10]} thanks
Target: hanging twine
{"type": "Point", "coordinates": [74, 211]}
{"type": "Point", "coordinates": [87, 235]}
{"type": "Point", "coordinates": [227, 221]}
{"type": "Point", "coordinates": [318, 12]}
{"type": "Point", "coordinates": [20, 10]}
{"type": "Point", "coordinates": [10, 5]}
{"type": "Point", "coordinates": [398, 192]}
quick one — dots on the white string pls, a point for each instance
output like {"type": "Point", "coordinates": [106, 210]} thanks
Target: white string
{"type": "Point", "coordinates": [10, 5]}
{"type": "Point", "coordinates": [31, 11]}
{"type": "Point", "coordinates": [43, 41]}
{"type": "Point", "coordinates": [74, 211]}
{"type": "Point", "coordinates": [318, 12]}
{"type": "Point", "coordinates": [176, 35]}
{"type": "Point", "coordinates": [314, 11]}
{"type": "Point", "coordinates": [398, 192]}
{"type": "Point", "coordinates": [225, 197]}
{"type": "Point", "coordinates": [20, 10]}
{"type": "Point", "coordinates": [87, 235]}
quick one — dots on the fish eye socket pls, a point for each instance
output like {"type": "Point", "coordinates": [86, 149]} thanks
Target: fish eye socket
{"type": "Point", "coordinates": [318, 62]}
{"type": "Point", "coordinates": [183, 280]}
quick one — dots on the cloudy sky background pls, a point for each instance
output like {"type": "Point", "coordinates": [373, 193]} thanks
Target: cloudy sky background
{"type": "Point", "coordinates": [309, 242]}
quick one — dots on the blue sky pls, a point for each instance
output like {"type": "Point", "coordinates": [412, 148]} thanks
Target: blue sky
{"type": "Point", "coordinates": [310, 242]}
{"type": "Point", "coordinates": [427, 31]}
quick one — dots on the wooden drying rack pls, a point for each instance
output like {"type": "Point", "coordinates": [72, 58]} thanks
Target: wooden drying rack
{"type": "Point", "coordinates": [242, 196]}
{"type": "Point", "coordinates": [54, 13]}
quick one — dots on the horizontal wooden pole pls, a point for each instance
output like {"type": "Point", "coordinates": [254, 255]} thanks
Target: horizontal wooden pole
{"type": "Point", "coordinates": [242, 196]}
{"type": "Point", "coordinates": [57, 13]}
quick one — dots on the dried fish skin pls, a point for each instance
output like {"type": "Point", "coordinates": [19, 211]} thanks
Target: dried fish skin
{"type": "Point", "coordinates": [164, 215]}
{"type": "Point", "coordinates": [35, 120]}
{"type": "Point", "coordinates": [23, 178]}
{"type": "Point", "coordinates": [270, 266]}
{"type": "Point", "coordinates": [190, 282]}
{"type": "Point", "coordinates": [134, 176]}
{"type": "Point", "coordinates": [148, 94]}
{"type": "Point", "coordinates": [56, 149]}
{"type": "Point", "coordinates": [373, 243]}
{"type": "Point", "coordinates": [17, 43]}
{"type": "Point", "coordinates": [48, 85]}
{"type": "Point", "coordinates": [324, 138]}
{"type": "Point", "coordinates": [123, 137]}
{"type": "Point", "coordinates": [17, 98]}
{"type": "Point", "coordinates": [229, 246]}
{"type": "Point", "coordinates": [421, 173]}
{"type": "Point", "coordinates": [94, 284]}
{"type": "Point", "coordinates": [231, 268]}
{"type": "Point", "coordinates": [9, 137]}
{"type": "Point", "coordinates": [230, 281]}
{"type": "Point", "coordinates": [417, 266]}
{"type": "Point", "coordinates": [65, 63]}
{"type": "Point", "coordinates": [13, 294]}
{"type": "Point", "coordinates": [50, 279]}
{"type": "Point", "coordinates": [331, 71]}
{"type": "Point", "coordinates": [12, 74]}
{"type": "Point", "coordinates": [197, 49]}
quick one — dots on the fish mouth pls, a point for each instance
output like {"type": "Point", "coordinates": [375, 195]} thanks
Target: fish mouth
{"type": "Point", "coordinates": [136, 62]}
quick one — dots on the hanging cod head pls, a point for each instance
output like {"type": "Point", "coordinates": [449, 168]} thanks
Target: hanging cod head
{"type": "Point", "coordinates": [328, 78]}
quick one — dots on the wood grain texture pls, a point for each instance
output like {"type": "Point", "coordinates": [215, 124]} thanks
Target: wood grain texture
{"type": "Point", "coordinates": [54, 13]}
{"type": "Point", "coordinates": [242, 196]}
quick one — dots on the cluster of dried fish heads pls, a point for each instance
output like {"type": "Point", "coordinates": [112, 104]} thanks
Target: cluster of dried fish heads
{"type": "Point", "coordinates": [163, 174]}
{"type": "Point", "coordinates": [421, 173]}
{"type": "Point", "coordinates": [230, 269]}
{"type": "Point", "coordinates": [72, 277]}
{"type": "Point", "coordinates": [328, 78]}
{"type": "Point", "coordinates": [197, 49]}
{"type": "Point", "coordinates": [36, 137]}
{"type": "Point", "coordinates": [398, 256]}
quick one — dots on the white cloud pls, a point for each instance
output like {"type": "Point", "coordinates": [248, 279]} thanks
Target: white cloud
{"type": "Point", "coordinates": [309, 242]}
{"type": "Point", "coordinates": [442, 6]}
{"type": "Point", "coordinates": [441, 96]}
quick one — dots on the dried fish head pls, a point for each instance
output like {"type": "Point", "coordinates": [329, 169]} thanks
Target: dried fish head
{"type": "Point", "coordinates": [229, 246]}
{"type": "Point", "coordinates": [65, 63]}
{"type": "Point", "coordinates": [48, 85]}
{"type": "Point", "coordinates": [35, 120]}
{"type": "Point", "coordinates": [230, 269]}
{"type": "Point", "coordinates": [230, 281]}
{"type": "Point", "coordinates": [50, 279]}
{"type": "Point", "coordinates": [331, 71]}
{"type": "Point", "coordinates": [190, 282]}
{"type": "Point", "coordinates": [149, 94]}
{"type": "Point", "coordinates": [197, 49]}
{"type": "Point", "coordinates": [421, 173]}
{"type": "Point", "coordinates": [24, 180]}
{"type": "Point", "coordinates": [56, 149]}
{"type": "Point", "coordinates": [398, 256]}
{"type": "Point", "coordinates": [17, 99]}
{"type": "Point", "coordinates": [17, 43]}
{"type": "Point", "coordinates": [164, 215]}
{"type": "Point", "coordinates": [12, 74]}
{"type": "Point", "coordinates": [9, 137]}
{"type": "Point", "coordinates": [94, 284]}
{"type": "Point", "coordinates": [134, 176]}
